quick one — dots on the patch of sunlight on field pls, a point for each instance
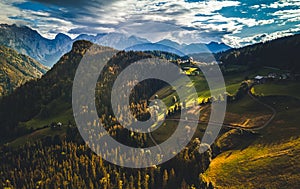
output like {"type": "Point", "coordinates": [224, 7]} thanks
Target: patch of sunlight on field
{"type": "Point", "coordinates": [266, 166]}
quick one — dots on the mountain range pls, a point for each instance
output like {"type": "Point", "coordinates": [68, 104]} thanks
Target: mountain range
{"type": "Point", "coordinates": [48, 51]}
{"type": "Point", "coordinates": [16, 69]}
{"type": "Point", "coordinates": [29, 42]}
{"type": "Point", "coordinates": [212, 47]}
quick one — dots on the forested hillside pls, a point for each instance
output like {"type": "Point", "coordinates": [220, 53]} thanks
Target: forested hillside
{"type": "Point", "coordinates": [281, 53]}
{"type": "Point", "coordinates": [63, 160]}
{"type": "Point", "coordinates": [16, 69]}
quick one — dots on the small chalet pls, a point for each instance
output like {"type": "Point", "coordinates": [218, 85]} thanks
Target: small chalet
{"type": "Point", "coordinates": [259, 79]}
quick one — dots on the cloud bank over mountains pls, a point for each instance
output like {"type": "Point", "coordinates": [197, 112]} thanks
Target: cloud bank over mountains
{"type": "Point", "coordinates": [236, 23]}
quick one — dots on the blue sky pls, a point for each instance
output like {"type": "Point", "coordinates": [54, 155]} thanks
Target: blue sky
{"type": "Point", "coordinates": [236, 23]}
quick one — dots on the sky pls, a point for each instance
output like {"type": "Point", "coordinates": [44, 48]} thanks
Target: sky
{"type": "Point", "coordinates": [236, 23]}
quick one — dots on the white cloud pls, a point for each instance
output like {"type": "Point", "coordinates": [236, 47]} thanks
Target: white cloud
{"type": "Point", "coordinates": [182, 21]}
{"type": "Point", "coordinates": [255, 7]}
{"type": "Point", "coordinates": [7, 10]}
{"type": "Point", "coordinates": [262, 37]}
{"type": "Point", "coordinates": [167, 20]}
{"type": "Point", "coordinates": [284, 3]}
{"type": "Point", "coordinates": [47, 26]}
{"type": "Point", "coordinates": [290, 15]}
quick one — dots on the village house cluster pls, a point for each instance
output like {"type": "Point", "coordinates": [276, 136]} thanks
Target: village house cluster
{"type": "Point", "coordinates": [260, 79]}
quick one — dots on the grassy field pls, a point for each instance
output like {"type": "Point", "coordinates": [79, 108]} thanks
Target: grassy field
{"type": "Point", "coordinates": [269, 161]}
{"type": "Point", "coordinates": [57, 111]}
{"type": "Point", "coordinates": [35, 136]}
{"type": "Point", "coordinates": [283, 88]}
{"type": "Point", "coordinates": [245, 112]}
{"type": "Point", "coordinates": [257, 166]}
{"type": "Point", "coordinates": [199, 83]}
{"type": "Point", "coordinates": [167, 129]}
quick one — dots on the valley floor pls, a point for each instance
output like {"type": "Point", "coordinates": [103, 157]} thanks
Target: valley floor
{"type": "Point", "coordinates": [269, 160]}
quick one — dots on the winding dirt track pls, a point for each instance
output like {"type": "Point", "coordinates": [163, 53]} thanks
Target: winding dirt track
{"type": "Point", "coordinates": [267, 106]}
{"type": "Point", "coordinates": [232, 126]}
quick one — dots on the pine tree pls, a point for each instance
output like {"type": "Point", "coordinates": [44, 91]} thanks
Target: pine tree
{"type": "Point", "coordinates": [165, 178]}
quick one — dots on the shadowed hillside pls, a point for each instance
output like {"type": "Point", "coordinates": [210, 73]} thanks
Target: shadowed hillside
{"type": "Point", "coordinates": [280, 53]}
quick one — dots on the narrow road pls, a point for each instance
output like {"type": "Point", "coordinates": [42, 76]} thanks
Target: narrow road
{"type": "Point", "coordinates": [228, 125]}
{"type": "Point", "coordinates": [274, 112]}
{"type": "Point", "coordinates": [234, 126]}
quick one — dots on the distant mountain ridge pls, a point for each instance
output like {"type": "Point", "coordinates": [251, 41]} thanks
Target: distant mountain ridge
{"type": "Point", "coordinates": [30, 42]}
{"type": "Point", "coordinates": [16, 69]}
{"type": "Point", "coordinates": [212, 47]}
{"type": "Point", "coordinates": [48, 51]}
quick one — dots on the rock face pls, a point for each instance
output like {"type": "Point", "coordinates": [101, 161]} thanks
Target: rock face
{"type": "Point", "coordinates": [29, 42]}
{"type": "Point", "coordinates": [16, 69]}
